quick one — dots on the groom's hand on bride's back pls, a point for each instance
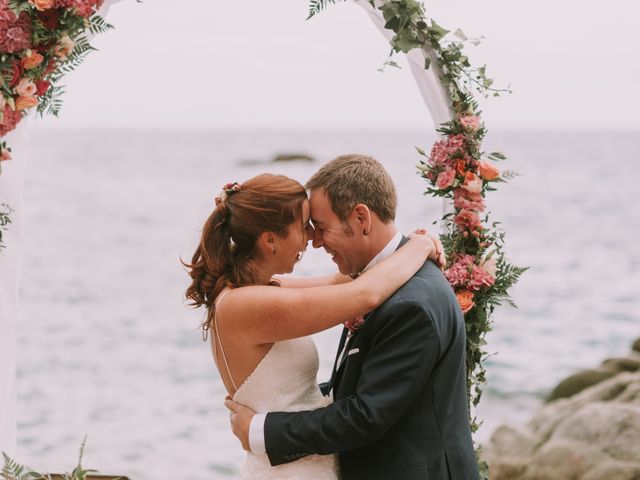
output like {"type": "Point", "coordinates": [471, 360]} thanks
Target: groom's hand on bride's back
{"type": "Point", "coordinates": [240, 420]}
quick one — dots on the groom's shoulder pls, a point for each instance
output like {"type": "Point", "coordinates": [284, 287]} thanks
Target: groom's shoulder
{"type": "Point", "coordinates": [426, 287]}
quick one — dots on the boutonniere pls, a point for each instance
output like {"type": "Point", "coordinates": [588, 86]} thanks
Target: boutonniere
{"type": "Point", "coordinates": [354, 324]}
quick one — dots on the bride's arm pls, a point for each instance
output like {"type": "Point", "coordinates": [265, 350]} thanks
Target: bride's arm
{"type": "Point", "coordinates": [302, 282]}
{"type": "Point", "coordinates": [338, 278]}
{"type": "Point", "coordinates": [262, 314]}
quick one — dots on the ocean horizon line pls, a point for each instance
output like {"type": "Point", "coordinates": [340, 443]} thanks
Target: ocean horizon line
{"type": "Point", "coordinates": [42, 128]}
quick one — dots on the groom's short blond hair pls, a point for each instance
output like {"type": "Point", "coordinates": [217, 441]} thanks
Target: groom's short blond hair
{"type": "Point", "coordinates": [352, 179]}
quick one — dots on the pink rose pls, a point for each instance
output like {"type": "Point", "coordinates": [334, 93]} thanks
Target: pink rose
{"type": "Point", "coordinates": [465, 200]}
{"type": "Point", "coordinates": [490, 266]}
{"type": "Point", "coordinates": [26, 88]}
{"type": "Point", "coordinates": [446, 178]}
{"type": "Point", "coordinates": [64, 47]}
{"type": "Point", "coordinates": [467, 220]}
{"type": "Point", "coordinates": [488, 171]}
{"type": "Point", "coordinates": [470, 122]}
{"type": "Point", "coordinates": [472, 183]}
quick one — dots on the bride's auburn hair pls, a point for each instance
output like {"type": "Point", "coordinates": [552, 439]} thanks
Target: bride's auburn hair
{"type": "Point", "coordinates": [224, 257]}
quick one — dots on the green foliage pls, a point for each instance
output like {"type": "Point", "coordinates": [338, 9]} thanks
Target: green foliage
{"type": "Point", "coordinates": [97, 25]}
{"type": "Point", "coordinates": [5, 219]}
{"type": "Point", "coordinates": [18, 6]}
{"type": "Point", "coordinates": [14, 471]}
{"type": "Point", "coordinates": [316, 6]}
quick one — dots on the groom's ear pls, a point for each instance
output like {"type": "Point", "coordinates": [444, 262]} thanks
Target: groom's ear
{"type": "Point", "coordinates": [362, 216]}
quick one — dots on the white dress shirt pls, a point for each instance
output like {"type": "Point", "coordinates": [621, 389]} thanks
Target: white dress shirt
{"type": "Point", "coordinates": [256, 427]}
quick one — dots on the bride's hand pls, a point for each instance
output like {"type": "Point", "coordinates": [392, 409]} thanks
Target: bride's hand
{"type": "Point", "coordinates": [437, 254]}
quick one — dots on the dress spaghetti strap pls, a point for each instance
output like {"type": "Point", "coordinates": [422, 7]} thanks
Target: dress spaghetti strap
{"type": "Point", "coordinates": [217, 339]}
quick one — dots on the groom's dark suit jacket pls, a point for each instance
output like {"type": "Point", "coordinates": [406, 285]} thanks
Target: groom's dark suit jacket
{"type": "Point", "coordinates": [400, 409]}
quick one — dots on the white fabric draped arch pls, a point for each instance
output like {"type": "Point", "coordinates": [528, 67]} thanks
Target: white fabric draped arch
{"type": "Point", "coordinates": [11, 183]}
{"type": "Point", "coordinates": [428, 81]}
{"type": "Point", "coordinates": [11, 192]}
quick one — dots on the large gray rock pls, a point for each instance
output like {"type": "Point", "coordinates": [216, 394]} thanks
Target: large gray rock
{"type": "Point", "coordinates": [593, 435]}
{"type": "Point", "coordinates": [579, 381]}
{"type": "Point", "coordinates": [622, 364]}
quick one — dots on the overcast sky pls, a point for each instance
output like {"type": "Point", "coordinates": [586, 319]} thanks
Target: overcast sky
{"type": "Point", "coordinates": [573, 64]}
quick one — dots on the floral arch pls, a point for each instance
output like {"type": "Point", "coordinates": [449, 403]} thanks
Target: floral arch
{"type": "Point", "coordinates": [455, 168]}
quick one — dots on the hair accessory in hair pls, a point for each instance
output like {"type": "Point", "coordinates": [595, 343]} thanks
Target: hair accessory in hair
{"type": "Point", "coordinates": [228, 190]}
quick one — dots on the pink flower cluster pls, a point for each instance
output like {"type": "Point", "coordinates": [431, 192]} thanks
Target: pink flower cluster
{"type": "Point", "coordinates": [466, 200]}
{"type": "Point", "coordinates": [15, 31]}
{"type": "Point", "coordinates": [10, 120]}
{"type": "Point", "coordinates": [470, 122]}
{"type": "Point", "coordinates": [84, 8]}
{"type": "Point", "coordinates": [29, 61]}
{"type": "Point", "coordinates": [444, 152]}
{"type": "Point", "coordinates": [464, 273]}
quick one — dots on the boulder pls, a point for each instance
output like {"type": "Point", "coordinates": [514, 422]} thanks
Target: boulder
{"type": "Point", "coordinates": [622, 364]}
{"type": "Point", "coordinates": [293, 157]}
{"type": "Point", "coordinates": [592, 435]}
{"type": "Point", "coordinates": [579, 381]}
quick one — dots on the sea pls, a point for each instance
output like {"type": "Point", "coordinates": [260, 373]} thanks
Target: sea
{"type": "Point", "coordinates": [109, 350]}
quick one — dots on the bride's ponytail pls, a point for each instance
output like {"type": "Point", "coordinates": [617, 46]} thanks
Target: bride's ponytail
{"type": "Point", "coordinates": [224, 255]}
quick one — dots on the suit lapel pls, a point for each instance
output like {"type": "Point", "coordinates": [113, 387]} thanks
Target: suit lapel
{"type": "Point", "coordinates": [343, 339]}
{"type": "Point", "coordinates": [337, 369]}
{"type": "Point", "coordinates": [343, 358]}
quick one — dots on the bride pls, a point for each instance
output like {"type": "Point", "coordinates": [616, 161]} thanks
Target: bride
{"type": "Point", "coordinates": [260, 333]}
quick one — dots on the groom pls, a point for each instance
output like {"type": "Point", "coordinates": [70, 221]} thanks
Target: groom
{"type": "Point", "coordinates": [399, 380]}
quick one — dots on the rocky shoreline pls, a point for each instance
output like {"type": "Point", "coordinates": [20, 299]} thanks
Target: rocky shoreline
{"type": "Point", "coordinates": [589, 429]}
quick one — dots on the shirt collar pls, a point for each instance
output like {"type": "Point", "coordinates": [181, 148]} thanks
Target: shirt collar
{"type": "Point", "coordinates": [391, 247]}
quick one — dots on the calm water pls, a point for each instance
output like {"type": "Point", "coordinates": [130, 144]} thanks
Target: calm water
{"type": "Point", "coordinates": [108, 349]}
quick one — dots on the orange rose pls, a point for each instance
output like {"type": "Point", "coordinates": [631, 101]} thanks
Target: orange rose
{"type": "Point", "coordinates": [460, 165]}
{"type": "Point", "coordinates": [22, 103]}
{"type": "Point", "coordinates": [465, 299]}
{"type": "Point", "coordinates": [43, 5]}
{"type": "Point", "coordinates": [472, 183]}
{"type": "Point", "coordinates": [4, 154]}
{"type": "Point", "coordinates": [488, 171]}
{"type": "Point", "coordinates": [32, 61]}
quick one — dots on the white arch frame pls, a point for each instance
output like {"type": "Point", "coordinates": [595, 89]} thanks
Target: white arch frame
{"type": "Point", "coordinates": [11, 192]}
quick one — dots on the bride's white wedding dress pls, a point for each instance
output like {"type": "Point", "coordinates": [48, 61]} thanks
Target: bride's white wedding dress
{"type": "Point", "coordinates": [283, 381]}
